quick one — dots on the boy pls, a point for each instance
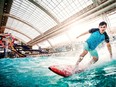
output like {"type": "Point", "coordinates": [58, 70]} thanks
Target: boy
{"type": "Point", "coordinates": [97, 36]}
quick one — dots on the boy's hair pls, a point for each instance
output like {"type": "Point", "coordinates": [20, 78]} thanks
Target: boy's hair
{"type": "Point", "coordinates": [102, 23]}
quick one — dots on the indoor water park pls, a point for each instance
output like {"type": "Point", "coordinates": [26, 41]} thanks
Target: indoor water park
{"type": "Point", "coordinates": [58, 43]}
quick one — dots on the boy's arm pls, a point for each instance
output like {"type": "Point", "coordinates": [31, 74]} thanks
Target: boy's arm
{"type": "Point", "coordinates": [83, 34]}
{"type": "Point", "coordinates": [109, 49]}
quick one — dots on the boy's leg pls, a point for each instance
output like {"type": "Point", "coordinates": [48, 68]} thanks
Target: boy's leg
{"type": "Point", "coordinates": [81, 56]}
{"type": "Point", "coordinates": [86, 48]}
{"type": "Point", "coordinates": [93, 60]}
{"type": "Point", "coordinates": [94, 54]}
{"type": "Point", "coordinates": [79, 60]}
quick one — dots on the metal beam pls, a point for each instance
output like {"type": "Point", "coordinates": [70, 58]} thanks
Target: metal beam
{"type": "Point", "coordinates": [46, 11]}
{"type": "Point", "coordinates": [16, 30]}
{"type": "Point", "coordinates": [23, 21]}
{"type": "Point", "coordinates": [14, 17]}
{"type": "Point", "coordinates": [1, 10]}
{"type": "Point", "coordinates": [5, 7]}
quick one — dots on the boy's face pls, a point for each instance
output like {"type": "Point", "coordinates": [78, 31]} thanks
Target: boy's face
{"type": "Point", "coordinates": [102, 28]}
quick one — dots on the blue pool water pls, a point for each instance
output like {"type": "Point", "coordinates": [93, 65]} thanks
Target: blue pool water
{"type": "Point", "coordinates": [34, 72]}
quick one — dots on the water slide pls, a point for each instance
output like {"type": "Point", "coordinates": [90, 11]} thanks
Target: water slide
{"type": "Point", "coordinates": [14, 50]}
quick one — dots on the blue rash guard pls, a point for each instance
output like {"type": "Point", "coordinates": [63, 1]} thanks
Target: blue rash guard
{"type": "Point", "coordinates": [96, 38]}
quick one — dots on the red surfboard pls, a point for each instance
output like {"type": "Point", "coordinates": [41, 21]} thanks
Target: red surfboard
{"type": "Point", "coordinates": [63, 70]}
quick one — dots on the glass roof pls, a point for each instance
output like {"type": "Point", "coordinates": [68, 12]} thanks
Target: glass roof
{"type": "Point", "coordinates": [30, 18]}
{"type": "Point", "coordinates": [112, 18]}
{"type": "Point", "coordinates": [25, 10]}
{"type": "Point", "coordinates": [38, 20]}
{"type": "Point", "coordinates": [21, 27]}
{"type": "Point", "coordinates": [63, 9]}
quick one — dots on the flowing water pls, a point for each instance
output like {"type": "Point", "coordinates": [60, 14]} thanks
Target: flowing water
{"type": "Point", "coordinates": [34, 72]}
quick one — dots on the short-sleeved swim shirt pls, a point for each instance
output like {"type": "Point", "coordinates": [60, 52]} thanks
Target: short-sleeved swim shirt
{"type": "Point", "coordinates": [96, 38]}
